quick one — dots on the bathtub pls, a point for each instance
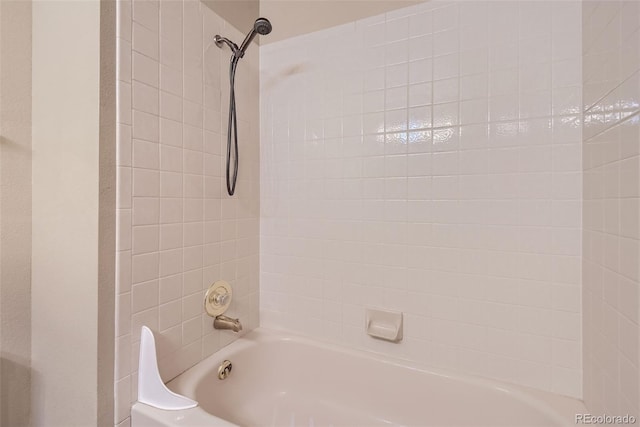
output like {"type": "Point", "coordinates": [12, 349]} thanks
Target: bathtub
{"type": "Point", "coordinates": [283, 380]}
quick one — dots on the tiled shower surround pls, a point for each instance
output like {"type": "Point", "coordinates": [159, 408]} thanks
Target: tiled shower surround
{"type": "Point", "coordinates": [432, 160]}
{"type": "Point", "coordinates": [178, 231]}
{"type": "Point", "coordinates": [429, 161]}
{"type": "Point", "coordinates": [611, 247]}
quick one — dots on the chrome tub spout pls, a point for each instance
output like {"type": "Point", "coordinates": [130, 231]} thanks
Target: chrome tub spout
{"type": "Point", "coordinates": [225, 322]}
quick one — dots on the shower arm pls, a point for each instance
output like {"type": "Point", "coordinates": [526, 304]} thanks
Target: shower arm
{"type": "Point", "coordinates": [219, 40]}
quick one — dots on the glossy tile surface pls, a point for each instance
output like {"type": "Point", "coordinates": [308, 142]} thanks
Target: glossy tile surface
{"type": "Point", "coordinates": [430, 161]}
{"type": "Point", "coordinates": [178, 231]}
{"type": "Point", "coordinates": [611, 235]}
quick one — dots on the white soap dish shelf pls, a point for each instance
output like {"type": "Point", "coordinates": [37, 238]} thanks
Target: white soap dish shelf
{"type": "Point", "coordinates": [383, 324]}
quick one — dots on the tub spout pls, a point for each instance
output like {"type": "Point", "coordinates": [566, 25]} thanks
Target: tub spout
{"type": "Point", "coordinates": [224, 322]}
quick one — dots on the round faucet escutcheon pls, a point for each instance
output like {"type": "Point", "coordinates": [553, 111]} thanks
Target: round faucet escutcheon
{"type": "Point", "coordinates": [218, 298]}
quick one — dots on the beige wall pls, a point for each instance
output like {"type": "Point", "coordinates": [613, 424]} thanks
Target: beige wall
{"type": "Point", "coordinates": [72, 361]}
{"type": "Point", "coordinates": [15, 211]}
{"type": "Point", "coordinates": [294, 17]}
{"type": "Point", "coordinates": [239, 13]}
{"type": "Point", "coordinates": [107, 215]}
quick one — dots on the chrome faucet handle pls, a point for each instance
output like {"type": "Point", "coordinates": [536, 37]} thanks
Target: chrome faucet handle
{"type": "Point", "coordinates": [221, 298]}
{"type": "Point", "coordinates": [218, 298]}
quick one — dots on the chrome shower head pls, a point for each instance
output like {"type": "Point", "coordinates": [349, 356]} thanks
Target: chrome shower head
{"type": "Point", "coordinates": [262, 26]}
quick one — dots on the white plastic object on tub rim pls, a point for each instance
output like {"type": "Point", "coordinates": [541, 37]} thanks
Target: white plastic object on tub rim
{"type": "Point", "coordinates": [151, 390]}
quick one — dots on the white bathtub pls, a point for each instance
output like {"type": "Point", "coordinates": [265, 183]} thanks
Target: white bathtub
{"type": "Point", "coordinates": [283, 380]}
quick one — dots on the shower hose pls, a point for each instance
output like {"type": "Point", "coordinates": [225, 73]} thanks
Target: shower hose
{"type": "Point", "coordinates": [232, 129]}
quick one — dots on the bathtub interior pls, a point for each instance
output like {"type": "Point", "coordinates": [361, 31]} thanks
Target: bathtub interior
{"type": "Point", "coordinates": [280, 380]}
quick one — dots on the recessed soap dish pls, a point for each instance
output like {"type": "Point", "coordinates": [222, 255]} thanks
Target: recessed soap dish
{"type": "Point", "coordinates": [383, 324]}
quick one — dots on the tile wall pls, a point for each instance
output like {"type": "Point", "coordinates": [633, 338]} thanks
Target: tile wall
{"type": "Point", "coordinates": [611, 236]}
{"type": "Point", "coordinates": [178, 231]}
{"type": "Point", "coordinates": [430, 161]}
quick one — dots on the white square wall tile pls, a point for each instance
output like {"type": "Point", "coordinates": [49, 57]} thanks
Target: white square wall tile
{"type": "Point", "coordinates": [161, 198]}
{"type": "Point", "coordinates": [145, 69]}
{"type": "Point", "coordinates": [144, 296]}
{"type": "Point", "coordinates": [145, 98]}
{"type": "Point", "coordinates": [145, 41]}
{"type": "Point", "coordinates": [470, 143]}
{"type": "Point", "coordinates": [123, 399]}
{"type": "Point", "coordinates": [145, 154]}
{"type": "Point", "coordinates": [146, 183]}
{"type": "Point", "coordinates": [146, 13]}
{"type": "Point", "coordinates": [145, 126]}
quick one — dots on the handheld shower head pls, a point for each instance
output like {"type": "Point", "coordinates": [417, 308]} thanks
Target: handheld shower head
{"type": "Point", "coordinates": [262, 26]}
